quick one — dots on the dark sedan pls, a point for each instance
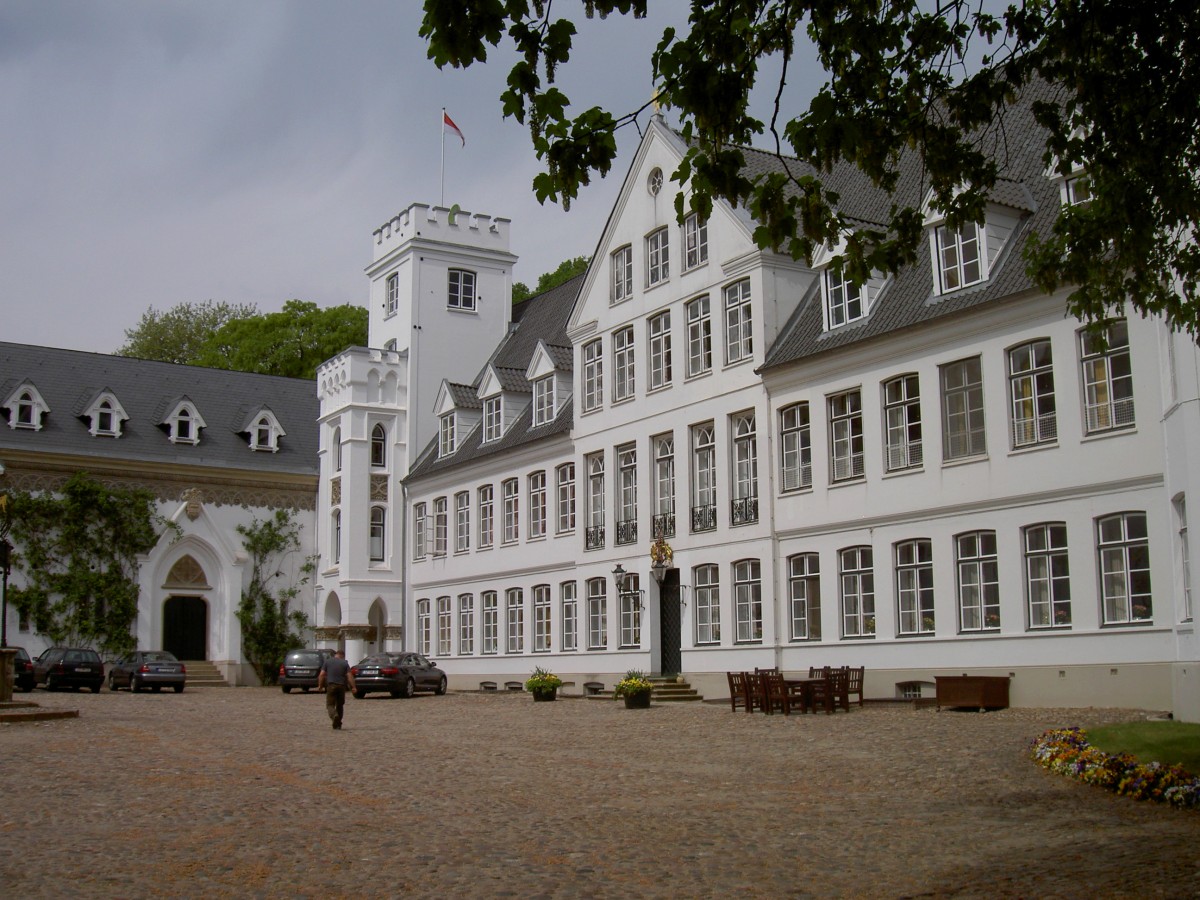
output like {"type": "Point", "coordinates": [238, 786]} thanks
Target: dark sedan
{"type": "Point", "coordinates": [399, 674]}
{"type": "Point", "coordinates": [154, 669]}
{"type": "Point", "coordinates": [300, 669]}
{"type": "Point", "coordinates": [75, 667]}
{"type": "Point", "coordinates": [23, 671]}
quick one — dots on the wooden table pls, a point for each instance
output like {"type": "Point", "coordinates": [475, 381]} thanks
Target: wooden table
{"type": "Point", "coordinates": [803, 688]}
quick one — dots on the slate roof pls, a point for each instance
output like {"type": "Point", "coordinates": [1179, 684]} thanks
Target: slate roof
{"type": "Point", "coordinates": [148, 391]}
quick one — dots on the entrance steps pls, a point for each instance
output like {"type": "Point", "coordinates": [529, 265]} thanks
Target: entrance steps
{"type": "Point", "coordinates": [202, 673]}
{"type": "Point", "coordinates": [667, 689]}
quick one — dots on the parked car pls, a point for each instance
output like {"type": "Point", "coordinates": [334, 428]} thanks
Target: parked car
{"type": "Point", "coordinates": [23, 671]}
{"type": "Point", "coordinates": [75, 667]}
{"type": "Point", "coordinates": [300, 669]}
{"type": "Point", "coordinates": [400, 674]}
{"type": "Point", "coordinates": [154, 669]}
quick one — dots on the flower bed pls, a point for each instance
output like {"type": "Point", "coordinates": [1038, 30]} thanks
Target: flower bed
{"type": "Point", "coordinates": [1067, 752]}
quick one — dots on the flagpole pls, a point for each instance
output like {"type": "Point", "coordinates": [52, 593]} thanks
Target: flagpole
{"type": "Point", "coordinates": [442, 168]}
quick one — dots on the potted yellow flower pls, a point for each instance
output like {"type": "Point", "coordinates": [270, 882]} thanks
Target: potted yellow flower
{"type": "Point", "coordinates": [635, 688]}
{"type": "Point", "coordinates": [543, 684]}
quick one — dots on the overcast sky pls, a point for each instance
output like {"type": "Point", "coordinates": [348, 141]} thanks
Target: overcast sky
{"type": "Point", "coordinates": [154, 152]}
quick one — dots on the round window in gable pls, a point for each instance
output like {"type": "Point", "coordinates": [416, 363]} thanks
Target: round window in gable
{"type": "Point", "coordinates": [654, 182]}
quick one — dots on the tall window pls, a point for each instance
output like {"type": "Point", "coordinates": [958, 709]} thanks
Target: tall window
{"type": "Point", "coordinates": [745, 470]}
{"type": "Point", "coordinates": [843, 299]}
{"type": "Point", "coordinates": [846, 436]}
{"type": "Point", "coordinates": [597, 614]}
{"type": "Point", "coordinates": [537, 505]}
{"type": "Point", "coordinates": [445, 626]}
{"type": "Point", "coordinates": [378, 446]}
{"type": "Point", "coordinates": [566, 497]}
{"type": "Point", "coordinates": [747, 600]}
{"type": "Point", "coordinates": [658, 258]}
{"type": "Point", "coordinates": [962, 410]}
{"type": "Point", "coordinates": [664, 486]}
{"type": "Point", "coordinates": [377, 532]}
{"type": "Point", "coordinates": [510, 491]}
{"type": "Point", "coordinates": [914, 586]}
{"type": "Point", "coordinates": [739, 338]}
{"type": "Point", "coordinates": [804, 593]}
{"type": "Point", "coordinates": [978, 581]}
{"type": "Point", "coordinates": [543, 400]}
{"type": "Point", "coordinates": [960, 260]}
{"type": "Point", "coordinates": [1031, 388]}
{"type": "Point", "coordinates": [704, 478]}
{"type": "Point", "coordinates": [593, 375]}
{"type": "Point", "coordinates": [621, 264]}
{"type": "Point", "coordinates": [570, 616]}
{"type": "Point", "coordinates": [626, 495]}
{"type": "Point", "coordinates": [393, 293]}
{"type": "Point", "coordinates": [424, 625]}
{"type": "Point", "coordinates": [1124, 548]}
{"type": "Point", "coordinates": [1107, 378]}
{"type": "Point", "coordinates": [420, 518]}
{"type": "Point", "coordinates": [902, 413]}
{"type": "Point", "coordinates": [541, 618]}
{"type": "Point", "coordinates": [707, 588]}
{"type": "Point", "coordinates": [631, 611]}
{"type": "Point", "coordinates": [486, 516]}
{"type": "Point", "coordinates": [695, 241]}
{"type": "Point", "coordinates": [466, 624]}
{"type": "Point", "coordinates": [857, 579]}
{"type": "Point", "coordinates": [337, 536]}
{"type": "Point", "coordinates": [493, 418]}
{"type": "Point", "coordinates": [440, 526]}
{"type": "Point", "coordinates": [182, 433]}
{"type": "Point", "coordinates": [699, 331]}
{"type": "Point", "coordinates": [462, 522]}
{"type": "Point", "coordinates": [660, 350]}
{"type": "Point", "coordinates": [514, 603]}
{"type": "Point", "coordinates": [1185, 563]}
{"type": "Point", "coordinates": [491, 622]}
{"type": "Point", "coordinates": [461, 289]}
{"type": "Point", "coordinates": [1047, 575]}
{"type": "Point", "coordinates": [594, 537]}
{"type": "Point", "coordinates": [623, 364]}
{"type": "Point", "coordinates": [795, 447]}
{"type": "Point", "coordinates": [337, 446]}
{"type": "Point", "coordinates": [446, 434]}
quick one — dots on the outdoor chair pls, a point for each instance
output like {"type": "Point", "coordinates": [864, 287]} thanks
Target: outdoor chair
{"type": "Point", "coordinates": [832, 693]}
{"type": "Point", "coordinates": [737, 691]}
{"type": "Point", "coordinates": [776, 695]}
{"type": "Point", "coordinates": [854, 683]}
{"type": "Point", "coordinates": [755, 697]}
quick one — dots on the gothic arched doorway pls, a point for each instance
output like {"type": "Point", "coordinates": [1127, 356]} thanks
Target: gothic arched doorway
{"type": "Point", "coordinates": [185, 627]}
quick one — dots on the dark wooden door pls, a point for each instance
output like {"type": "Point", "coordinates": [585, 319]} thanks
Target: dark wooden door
{"type": "Point", "coordinates": [185, 627]}
{"type": "Point", "coordinates": [670, 623]}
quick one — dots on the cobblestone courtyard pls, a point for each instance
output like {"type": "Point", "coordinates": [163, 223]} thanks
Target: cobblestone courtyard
{"type": "Point", "coordinates": [246, 792]}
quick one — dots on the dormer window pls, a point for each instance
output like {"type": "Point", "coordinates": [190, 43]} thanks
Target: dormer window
{"type": "Point", "coordinates": [543, 400]}
{"type": "Point", "coordinates": [183, 424]}
{"type": "Point", "coordinates": [378, 447]}
{"type": "Point", "coordinates": [462, 290]}
{"type": "Point", "coordinates": [843, 299]}
{"type": "Point", "coordinates": [106, 416]}
{"type": "Point", "coordinates": [26, 408]}
{"type": "Point", "coordinates": [264, 431]}
{"type": "Point", "coordinates": [1077, 190]}
{"type": "Point", "coordinates": [393, 293]}
{"type": "Point", "coordinates": [447, 434]}
{"type": "Point", "coordinates": [492, 419]}
{"type": "Point", "coordinates": [960, 256]}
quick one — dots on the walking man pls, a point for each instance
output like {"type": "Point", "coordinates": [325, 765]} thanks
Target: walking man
{"type": "Point", "coordinates": [335, 678]}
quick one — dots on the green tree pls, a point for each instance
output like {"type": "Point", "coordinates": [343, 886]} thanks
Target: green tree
{"type": "Point", "coordinates": [178, 334]}
{"type": "Point", "coordinates": [269, 628]}
{"type": "Point", "coordinates": [566, 270]}
{"type": "Point", "coordinates": [904, 77]}
{"type": "Point", "coordinates": [77, 550]}
{"type": "Point", "coordinates": [292, 342]}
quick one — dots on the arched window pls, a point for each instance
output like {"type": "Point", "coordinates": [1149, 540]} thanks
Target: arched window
{"type": "Point", "coordinates": [337, 449]}
{"type": "Point", "coordinates": [378, 532]}
{"type": "Point", "coordinates": [378, 446]}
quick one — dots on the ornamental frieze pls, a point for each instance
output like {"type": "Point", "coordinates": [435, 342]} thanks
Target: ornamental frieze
{"type": "Point", "coordinates": [379, 487]}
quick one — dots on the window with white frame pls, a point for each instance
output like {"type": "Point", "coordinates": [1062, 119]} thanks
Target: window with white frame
{"type": "Point", "coordinates": [337, 449]}
{"type": "Point", "coordinates": [695, 241]}
{"type": "Point", "coordinates": [264, 434]}
{"type": "Point", "coordinates": [902, 415]}
{"type": "Point", "coordinates": [739, 325]}
{"type": "Point", "coordinates": [490, 606]}
{"type": "Point", "coordinates": [393, 293]}
{"type": "Point", "coordinates": [446, 434]}
{"type": "Point", "coordinates": [1185, 564]}
{"type": "Point", "coordinates": [664, 486]}
{"type": "Point", "coordinates": [706, 581]}
{"type": "Point", "coordinates": [660, 350]}
{"type": "Point", "coordinates": [445, 630]}
{"type": "Point", "coordinates": [514, 602]}
{"type": "Point", "coordinates": [626, 494]}
{"type": "Point", "coordinates": [378, 447]}
{"type": "Point", "coordinates": [963, 433]}
{"type": "Point", "coordinates": [537, 505]}
{"type": "Point", "coordinates": [336, 537]}
{"type": "Point", "coordinates": [593, 375]}
{"type": "Point", "coordinates": [795, 447]}
{"type": "Point", "coordinates": [978, 581]}
{"type": "Point", "coordinates": [420, 517]}
{"type": "Point", "coordinates": [106, 418]}
{"type": "Point", "coordinates": [543, 400]}
{"type": "Point", "coordinates": [183, 427]}
{"type": "Point", "coordinates": [466, 624]}
{"type": "Point", "coordinates": [1078, 190]}
{"type": "Point", "coordinates": [846, 436]}
{"type": "Point", "coordinates": [804, 596]}
{"type": "Point", "coordinates": [960, 255]}
{"type": "Point", "coordinates": [570, 616]}
{"type": "Point", "coordinates": [747, 600]}
{"type": "Point", "coordinates": [510, 491]}
{"type": "Point", "coordinates": [621, 266]}
{"type": "Point", "coordinates": [704, 477]}
{"type": "Point", "coordinates": [856, 577]}
{"type": "Point", "coordinates": [378, 531]}
{"type": "Point", "coordinates": [25, 410]}
{"type": "Point", "coordinates": [493, 418]}
{"type": "Point", "coordinates": [461, 290]}
{"type": "Point", "coordinates": [565, 475]}
{"type": "Point", "coordinates": [597, 600]}
{"type": "Point", "coordinates": [440, 526]}
{"type": "Point", "coordinates": [487, 516]}
{"type": "Point", "coordinates": [1031, 390]}
{"type": "Point", "coordinates": [630, 597]}
{"type": "Point", "coordinates": [462, 522]}
{"type": "Point", "coordinates": [914, 586]}
{"type": "Point", "coordinates": [1123, 545]}
{"type": "Point", "coordinates": [845, 301]}
{"type": "Point", "coordinates": [424, 625]}
{"type": "Point", "coordinates": [699, 331]}
{"type": "Point", "coordinates": [594, 538]}
{"type": "Point", "coordinates": [743, 430]}
{"type": "Point", "coordinates": [1047, 575]}
{"type": "Point", "coordinates": [541, 618]}
{"type": "Point", "coordinates": [1107, 378]}
{"type": "Point", "coordinates": [658, 257]}
{"type": "Point", "coordinates": [623, 364]}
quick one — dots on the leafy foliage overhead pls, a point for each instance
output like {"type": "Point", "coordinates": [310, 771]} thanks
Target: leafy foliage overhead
{"type": "Point", "coordinates": [178, 335]}
{"type": "Point", "coordinates": [566, 270]}
{"type": "Point", "coordinates": [908, 82]}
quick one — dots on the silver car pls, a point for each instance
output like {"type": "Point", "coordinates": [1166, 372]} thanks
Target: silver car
{"type": "Point", "coordinates": [154, 669]}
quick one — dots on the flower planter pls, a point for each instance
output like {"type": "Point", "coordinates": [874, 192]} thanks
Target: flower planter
{"type": "Point", "coordinates": [639, 700]}
{"type": "Point", "coordinates": [545, 695]}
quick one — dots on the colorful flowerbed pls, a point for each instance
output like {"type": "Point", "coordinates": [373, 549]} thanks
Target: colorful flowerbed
{"type": "Point", "coordinates": [1067, 752]}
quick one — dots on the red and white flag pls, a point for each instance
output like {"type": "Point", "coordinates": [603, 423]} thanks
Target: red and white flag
{"type": "Point", "coordinates": [448, 122]}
